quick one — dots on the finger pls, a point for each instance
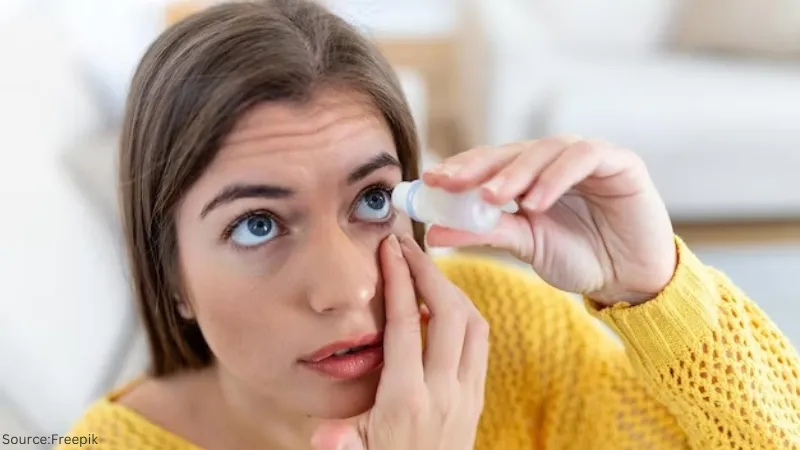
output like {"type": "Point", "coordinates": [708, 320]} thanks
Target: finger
{"type": "Point", "coordinates": [471, 168]}
{"type": "Point", "coordinates": [402, 343]}
{"type": "Point", "coordinates": [448, 312]}
{"type": "Point", "coordinates": [573, 165]}
{"type": "Point", "coordinates": [512, 233]}
{"type": "Point", "coordinates": [336, 435]}
{"type": "Point", "coordinates": [519, 175]}
{"type": "Point", "coordinates": [475, 357]}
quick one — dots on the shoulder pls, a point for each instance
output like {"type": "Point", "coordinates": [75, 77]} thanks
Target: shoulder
{"type": "Point", "coordinates": [110, 424]}
{"type": "Point", "coordinates": [105, 426]}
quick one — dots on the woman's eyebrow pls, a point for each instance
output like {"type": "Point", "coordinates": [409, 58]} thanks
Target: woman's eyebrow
{"type": "Point", "coordinates": [378, 161]}
{"type": "Point", "coordinates": [239, 191]}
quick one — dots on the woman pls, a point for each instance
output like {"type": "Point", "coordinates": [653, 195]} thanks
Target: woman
{"type": "Point", "coordinates": [279, 288]}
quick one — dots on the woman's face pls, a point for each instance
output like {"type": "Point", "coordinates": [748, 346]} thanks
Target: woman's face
{"type": "Point", "coordinates": [278, 247]}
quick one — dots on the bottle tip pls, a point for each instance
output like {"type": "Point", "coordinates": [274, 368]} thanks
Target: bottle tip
{"type": "Point", "coordinates": [402, 197]}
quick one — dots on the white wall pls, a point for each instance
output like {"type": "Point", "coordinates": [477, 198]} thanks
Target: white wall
{"type": "Point", "coordinates": [399, 17]}
{"type": "Point", "coordinates": [111, 36]}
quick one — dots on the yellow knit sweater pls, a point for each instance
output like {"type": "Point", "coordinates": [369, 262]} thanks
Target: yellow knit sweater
{"type": "Point", "coordinates": [699, 367]}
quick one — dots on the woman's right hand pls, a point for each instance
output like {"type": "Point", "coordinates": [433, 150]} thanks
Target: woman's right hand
{"type": "Point", "coordinates": [427, 400]}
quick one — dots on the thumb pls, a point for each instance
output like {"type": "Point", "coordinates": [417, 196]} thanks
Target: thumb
{"type": "Point", "coordinates": [337, 436]}
{"type": "Point", "coordinates": [509, 235]}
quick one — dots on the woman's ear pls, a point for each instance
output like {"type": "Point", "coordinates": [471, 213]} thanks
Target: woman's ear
{"type": "Point", "coordinates": [184, 307]}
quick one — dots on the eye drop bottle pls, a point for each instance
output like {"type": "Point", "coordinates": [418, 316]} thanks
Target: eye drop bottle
{"type": "Point", "coordinates": [465, 211]}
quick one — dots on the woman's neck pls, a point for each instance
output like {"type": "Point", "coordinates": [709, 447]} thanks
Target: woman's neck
{"type": "Point", "coordinates": [256, 421]}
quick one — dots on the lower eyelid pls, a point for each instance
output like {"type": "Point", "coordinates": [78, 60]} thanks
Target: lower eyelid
{"type": "Point", "coordinates": [389, 221]}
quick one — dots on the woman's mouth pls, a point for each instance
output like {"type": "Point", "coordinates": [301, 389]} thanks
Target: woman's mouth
{"type": "Point", "coordinates": [349, 359]}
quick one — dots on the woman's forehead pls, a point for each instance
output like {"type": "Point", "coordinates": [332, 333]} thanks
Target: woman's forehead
{"type": "Point", "coordinates": [307, 148]}
{"type": "Point", "coordinates": [327, 110]}
{"type": "Point", "coordinates": [333, 126]}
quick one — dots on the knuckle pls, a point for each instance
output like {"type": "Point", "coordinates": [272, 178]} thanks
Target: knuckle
{"type": "Point", "coordinates": [416, 403]}
{"type": "Point", "coordinates": [474, 402]}
{"type": "Point", "coordinates": [532, 144]}
{"type": "Point", "coordinates": [547, 179]}
{"type": "Point", "coordinates": [458, 310]}
{"type": "Point", "coordinates": [475, 153]}
{"type": "Point", "coordinates": [408, 323]}
{"type": "Point", "coordinates": [447, 398]}
{"type": "Point", "coordinates": [630, 156]}
{"type": "Point", "coordinates": [600, 143]}
{"type": "Point", "coordinates": [584, 149]}
{"type": "Point", "coordinates": [481, 327]}
{"type": "Point", "coordinates": [628, 153]}
{"type": "Point", "coordinates": [567, 138]}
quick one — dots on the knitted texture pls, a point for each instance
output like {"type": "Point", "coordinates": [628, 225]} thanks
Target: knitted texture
{"type": "Point", "coordinates": [700, 366]}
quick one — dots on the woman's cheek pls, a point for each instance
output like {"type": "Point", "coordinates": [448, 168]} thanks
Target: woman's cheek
{"type": "Point", "coordinates": [247, 332]}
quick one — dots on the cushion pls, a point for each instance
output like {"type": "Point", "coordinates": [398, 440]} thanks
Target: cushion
{"type": "Point", "coordinates": [618, 27]}
{"type": "Point", "coordinates": [720, 137]}
{"type": "Point", "coordinates": [744, 27]}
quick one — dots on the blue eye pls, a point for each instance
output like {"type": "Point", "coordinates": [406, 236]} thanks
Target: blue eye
{"type": "Point", "coordinates": [254, 230]}
{"type": "Point", "coordinates": [375, 205]}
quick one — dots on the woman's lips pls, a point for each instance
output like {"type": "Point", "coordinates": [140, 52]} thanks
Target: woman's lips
{"type": "Point", "coordinates": [350, 366]}
{"type": "Point", "coordinates": [356, 357]}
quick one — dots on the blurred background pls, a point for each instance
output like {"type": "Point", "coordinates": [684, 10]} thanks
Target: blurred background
{"type": "Point", "coordinates": [707, 91]}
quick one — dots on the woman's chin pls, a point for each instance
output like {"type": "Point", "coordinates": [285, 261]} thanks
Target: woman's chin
{"type": "Point", "coordinates": [349, 399]}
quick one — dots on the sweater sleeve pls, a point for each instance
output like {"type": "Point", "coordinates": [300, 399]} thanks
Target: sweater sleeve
{"type": "Point", "coordinates": [698, 367]}
{"type": "Point", "coordinates": [713, 359]}
{"type": "Point", "coordinates": [558, 379]}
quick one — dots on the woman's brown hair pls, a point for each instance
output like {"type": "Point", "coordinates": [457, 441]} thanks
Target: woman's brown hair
{"type": "Point", "coordinates": [194, 82]}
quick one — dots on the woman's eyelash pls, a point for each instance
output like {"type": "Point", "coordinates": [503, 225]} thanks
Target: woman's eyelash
{"type": "Point", "coordinates": [387, 189]}
{"type": "Point", "coordinates": [381, 186]}
{"type": "Point", "coordinates": [228, 231]}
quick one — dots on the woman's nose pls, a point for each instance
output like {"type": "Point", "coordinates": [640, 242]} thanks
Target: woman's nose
{"type": "Point", "coordinates": [342, 274]}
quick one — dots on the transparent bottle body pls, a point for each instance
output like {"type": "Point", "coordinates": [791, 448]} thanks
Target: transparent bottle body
{"type": "Point", "coordinates": [461, 211]}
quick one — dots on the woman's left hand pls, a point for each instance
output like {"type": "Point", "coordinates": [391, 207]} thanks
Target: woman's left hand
{"type": "Point", "coordinates": [590, 218]}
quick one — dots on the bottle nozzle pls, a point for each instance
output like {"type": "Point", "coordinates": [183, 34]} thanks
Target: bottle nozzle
{"type": "Point", "coordinates": [463, 210]}
{"type": "Point", "coordinates": [403, 197]}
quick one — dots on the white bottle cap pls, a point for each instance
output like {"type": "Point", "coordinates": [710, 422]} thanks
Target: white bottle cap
{"type": "Point", "coordinates": [403, 197]}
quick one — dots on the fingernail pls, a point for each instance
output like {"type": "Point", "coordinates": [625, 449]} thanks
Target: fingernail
{"type": "Point", "coordinates": [407, 242]}
{"type": "Point", "coordinates": [436, 169]}
{"type": "Point", "coordinates": [394, 246]}
{"type": "Point", "coordinates": [349, 445]}
{"type": "Point", "coordinates": [452, 169]}
{"type": "Point", "coordinates": [447, 169]}
{"type": "Point", "coordinates": [532, 201]}
{"type": "Point", "coordinates": [494, 185]}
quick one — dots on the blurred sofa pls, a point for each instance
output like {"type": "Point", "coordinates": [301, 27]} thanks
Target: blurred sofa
{"type": "Point", "coordinates": [720, 132]}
